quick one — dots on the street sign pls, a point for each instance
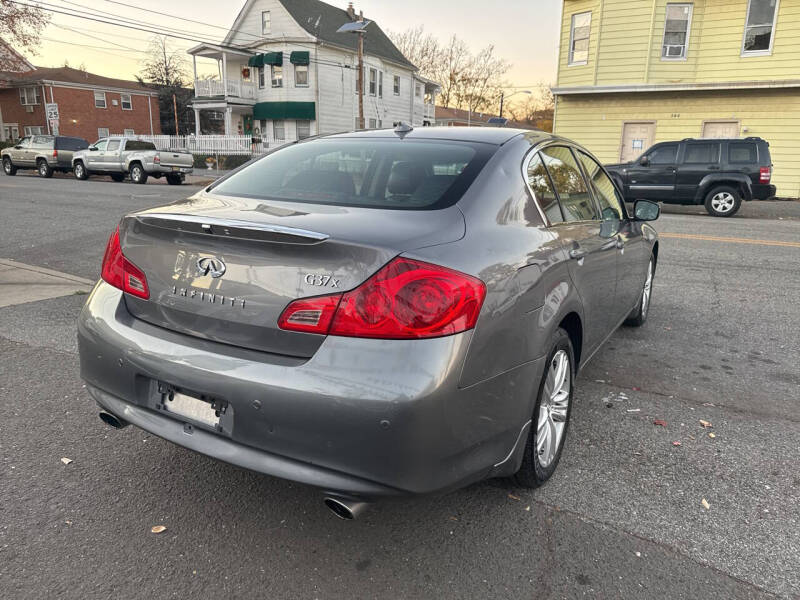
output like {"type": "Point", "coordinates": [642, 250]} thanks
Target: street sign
{"type": "Point", "coordinates": [54, 126]}
{"type": "Point", "coordinates": [52, 111]}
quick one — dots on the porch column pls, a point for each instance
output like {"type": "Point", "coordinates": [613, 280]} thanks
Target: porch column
{"type": "Point", "coordinates": [228, 122]}
{"type": "Point", "coordinates": [225, 77]}
{"type": "Point", "coordinates": [197, 121]}
{"type": "Point", "coordinates": [194, 67]}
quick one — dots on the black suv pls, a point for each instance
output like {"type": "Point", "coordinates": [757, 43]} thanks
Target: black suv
{"type": "Point", "coordinates": [45, 153]}
{"type": "Point", "coordinates": [719, 173]}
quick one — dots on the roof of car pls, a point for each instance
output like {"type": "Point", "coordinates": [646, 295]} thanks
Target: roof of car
{"type": "Point", "coordinates": [487, 135]}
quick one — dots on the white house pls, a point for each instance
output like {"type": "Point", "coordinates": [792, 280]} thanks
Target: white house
{"type": "Point", "coordinates": [286, 74]}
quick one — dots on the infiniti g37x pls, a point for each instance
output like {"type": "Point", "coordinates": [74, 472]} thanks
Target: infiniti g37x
{"type": "Point", "coordinates": [375, 313]}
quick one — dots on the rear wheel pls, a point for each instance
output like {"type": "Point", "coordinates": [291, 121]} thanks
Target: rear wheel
{"type": "Point", "coordinates": [723, 201]}
{"type": "Point", "coordinates": [117, 177]}
{"type": "Point", "coordinates": [137, 174]}
{"type": "Point", "coordinates": [43, 168]}
{"type": "Point", "coordinates": [174, 179]}
{"type": "Point", "coordinates": [8, 166]}
{"type": "Point", "coordinates": [639, 314]}
{"type": "Point", "coordinates": [550, 414]}
{"type": "Point", "coordinates": [80, 171]}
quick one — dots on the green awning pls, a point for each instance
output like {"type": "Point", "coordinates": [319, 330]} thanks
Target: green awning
{"type": "Point", "coordinates": [273, 58]}
{"type": "Point", "coordinates": [284, 110]}
{"type": "Point", "coordinates": [299, 57]}
{"type": "Point", "coordinates": [256, 61]}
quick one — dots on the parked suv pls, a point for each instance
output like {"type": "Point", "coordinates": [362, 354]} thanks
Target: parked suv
{"type": "Point", "coordinates": [719, 173]}
{"type": "Point", "coordinates": [45, 153]}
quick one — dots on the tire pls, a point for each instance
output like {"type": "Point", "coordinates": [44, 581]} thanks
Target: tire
{"type": "Point", "coordinates": [174, 179]}
{"type": "Point", "coordinates": [639, 315]}
{"type": "Point", "coordinates": [539, 465]}
{"type": "Point", "coordinates": [8, 167]}
{"type": "Point", "coordinates": [80, 170]}
{"type": "Point", "coordinates": [723, 201]}
{"type": "Point", "coordinates": [43, 168]}
{"type": "Point", "coordinates": [118, 177]}
{"type": "Point", "coordinates": [138, 174]}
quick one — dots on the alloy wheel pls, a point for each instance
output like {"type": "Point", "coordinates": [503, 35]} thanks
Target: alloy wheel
{"type": "Point", "coordinates": [553, 408]}
{"type": "Point", "coordinates": [42, 169]}
{"type": "Point", "coordinates": [7, 166]}
{"type": "Point", "coordinates": [723, 202]}
{"type": "Point", "coordinates": [79, 171]}
{"type": "Point", "coordinates": [136, 174]}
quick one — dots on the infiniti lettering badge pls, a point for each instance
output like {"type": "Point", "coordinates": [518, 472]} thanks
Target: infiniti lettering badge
{"type": "Point", "coordinates": [210, 266]}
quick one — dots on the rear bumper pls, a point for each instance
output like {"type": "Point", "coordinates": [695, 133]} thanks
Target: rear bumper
{"type": "Point", "coordinates": [763, 191]}
{"type": "Point", "coordinates": [153, 168]}
{"type": "Point", "coordinates": [364, 417]}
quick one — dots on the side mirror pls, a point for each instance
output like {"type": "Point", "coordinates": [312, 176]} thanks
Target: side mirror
{"type": "Point", "coordinates": [92, 149]}
{"type": "Point", "coordinates": [644, 210]}
{"type": "Point", "coordinates": [17, 147]}
{"type": "Point", "coordinates": [644, 161]}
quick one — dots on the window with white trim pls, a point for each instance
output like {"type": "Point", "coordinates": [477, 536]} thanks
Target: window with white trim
{"type": "Point", "coordinates": [277, 76]}
{"type": "Point", "coordinates": [261, 77]}
{"type": "Point", "coordinates": [373, 81]}
{"type": "Point", "coordinates": [128, 132]}
{"type": "Point", "coordinates": [579, 32]}
{"type": "Point", "coordinates": [34, 130]}
{"type": "Point", "coordinates": [126, 101]}
{"type": "Point", "coordinates": [303, 129]}
{"type": "Point", "coordinates": [380, 84]}
{"type": "Point", "coordinates": [397, 85]}
{"type": "Point", "coordinates": [301, 75]}
{"type": "Point", "coordinates": [759, 29]}
{"type": "Point", "coordinates": [100, 100]}
{"type": "Point", "coordinates": [279, 130]}
{"type": "Point", "coordinates": [372, 123]}
{"type": "Point", "coordinates": [29, 96]}
{"type": "Point", "coordinates": [266, 23]}
{"type": "Point", "coordinates": [102, 132]}
{"type": "Point", "coordinates": [677, 25]}
{"type": "Point", "coordinates": [418, 91]}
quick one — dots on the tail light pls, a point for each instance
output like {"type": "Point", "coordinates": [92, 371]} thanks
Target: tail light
{"type": "Point", "coordinates": [55, 153]}
{"type": "Point", "coordinates": [765, 175]}
{"type": "Point", "coordinates": [156, 159]}
{"type": "Point", "coordinates": [122, 273]}
{"type": "Point", "coordinates": [406, 299]}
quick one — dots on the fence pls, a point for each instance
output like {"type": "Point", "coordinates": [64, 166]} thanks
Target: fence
{"type": "Point", "coordinates": [241, 145]}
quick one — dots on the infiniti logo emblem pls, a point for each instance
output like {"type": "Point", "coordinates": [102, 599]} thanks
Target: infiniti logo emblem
{"type": "Point", "coordinates": [210, 266]}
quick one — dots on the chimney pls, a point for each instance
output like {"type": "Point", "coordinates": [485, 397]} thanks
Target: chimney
{"type": "Point", "coordinates": [351, 12]}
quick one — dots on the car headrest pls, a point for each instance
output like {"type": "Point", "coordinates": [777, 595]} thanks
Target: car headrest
{"type": "Point", "coordinates": [405, 178]}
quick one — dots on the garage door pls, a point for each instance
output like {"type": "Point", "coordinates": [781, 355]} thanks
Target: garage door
{"type": "Point", "coordinates": [636, 138]}
{"type": "Point", "coordinates": [721, 129]}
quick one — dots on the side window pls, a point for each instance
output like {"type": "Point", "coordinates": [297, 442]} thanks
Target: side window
{"type": "Point", "coordinates": [580, 29]}
{"type": "Point", "coordinates": [664, 155]}
{"type": "Point", "coordinates": [25, 142]}
{"type": "Point", "coordinates": [573, 195]}
{"type": "Point", "coordinates": [41, 141]}
{"type": "Point", "coordinates": [113, 145]}
{"type": "Point", "coordinates": [606, 192]}
{"type": "Point", "coordinates": [539, 182]}
{"type": "Point", "coordinates": [742, 153]}
{"type": "Point", "coordinates": [701, 153]}
{"type": "Point", "coordinates": [101, 145]}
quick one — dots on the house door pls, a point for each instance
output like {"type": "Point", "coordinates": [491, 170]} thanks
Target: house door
{"type": "Point", "coordinates": [636, 138]}
{"type": "Point", "coordinates": [721, 129]}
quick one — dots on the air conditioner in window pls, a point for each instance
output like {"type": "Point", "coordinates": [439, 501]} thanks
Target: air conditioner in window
{"type": "Point", "coordinates": [28, 108]}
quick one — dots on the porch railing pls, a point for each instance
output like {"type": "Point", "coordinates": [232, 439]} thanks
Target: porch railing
{"type": "Point", "coordinates": [231, 87]}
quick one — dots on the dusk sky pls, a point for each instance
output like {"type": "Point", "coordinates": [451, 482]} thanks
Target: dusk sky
{"type": "Point", "coordinates": [524, 32]}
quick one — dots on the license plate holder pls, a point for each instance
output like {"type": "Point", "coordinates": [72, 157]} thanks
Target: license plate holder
{"type": "Point", "coordinates": [195, 408]}
{"type": "Point", "coordinates": [176, 168]}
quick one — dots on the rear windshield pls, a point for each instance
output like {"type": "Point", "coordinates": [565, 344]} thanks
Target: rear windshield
{"type": "Point", "coordinates": [70, 143]}
{"type": "Point", "coordinates": [138, 145]}
{"type": "Point", "coordinates": [387, 173]}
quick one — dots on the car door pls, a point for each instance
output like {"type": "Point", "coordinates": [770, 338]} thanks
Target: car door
{"type": "Point", "coordinates": [20, 152]}
{"type": "Point", "coordinates": [96, 157]}
{"type": "Point", "coordinates": [111, 156]}
{"type": "Point", "coordinates": [652, 176]}
{"type": "Point", "coordinates": [632, 250]}
{"type": "Point", "coordinates": [698, 159]}
{"type": "Point", "coordinates": [593, 261]}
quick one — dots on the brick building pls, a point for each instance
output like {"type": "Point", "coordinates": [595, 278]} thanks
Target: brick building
{"type": "Point", "coordinates": [90, 106]}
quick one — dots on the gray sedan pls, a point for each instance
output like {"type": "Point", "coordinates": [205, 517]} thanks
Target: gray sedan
{"type": "Point", "coordinates": [376, 313]}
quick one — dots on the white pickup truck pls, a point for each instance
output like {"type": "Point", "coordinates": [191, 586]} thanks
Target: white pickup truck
{"type": "Point", "coordinates": [121, 156]}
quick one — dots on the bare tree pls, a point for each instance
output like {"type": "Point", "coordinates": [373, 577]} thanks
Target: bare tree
{"type": "Point", "coordinates": [21, 25]}
{"type": "Point", "coordinates": [469, 81]}
{"type": "Point", "coordinates": [536, 110]}
{"type": "Point", "coordinates": [167, 71]}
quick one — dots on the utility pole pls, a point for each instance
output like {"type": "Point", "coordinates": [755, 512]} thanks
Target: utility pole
{"type": "Point", "coordinates": [175, 110]}
{"type": "Point", "coordinates": [502, 97]}
{"type": "Point", "coordinates": [361, 79]}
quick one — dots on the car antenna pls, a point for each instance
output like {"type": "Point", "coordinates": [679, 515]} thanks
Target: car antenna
{"type": "Point", "coordinates": [402, 129]}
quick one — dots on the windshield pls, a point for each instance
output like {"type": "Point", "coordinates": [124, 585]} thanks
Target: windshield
{"type": "Point", "coordinates": [386, 173]}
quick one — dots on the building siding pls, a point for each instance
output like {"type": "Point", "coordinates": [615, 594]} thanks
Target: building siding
{"type": "Point", "coordinates": [596, 122]}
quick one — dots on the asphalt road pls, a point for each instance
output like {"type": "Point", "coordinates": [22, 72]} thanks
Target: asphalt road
{"type": "Point", "coordinates": [621, 518]}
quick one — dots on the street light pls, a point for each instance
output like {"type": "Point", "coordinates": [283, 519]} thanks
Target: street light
{"type": "Point", "coordinates": [503, 97]}
{"type": "Point", "coordinates": [358, 27]}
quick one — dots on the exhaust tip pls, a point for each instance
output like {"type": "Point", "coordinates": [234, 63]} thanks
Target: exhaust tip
{"type": "Point", "coordinates": [343, 508]}
{"type": "Point", "coordinates": [112, 420]}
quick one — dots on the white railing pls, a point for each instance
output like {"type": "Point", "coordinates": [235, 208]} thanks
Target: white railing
{"type": "Point", "coordinates": [231, 87]}
{"type": "Point", "coordinates": [429, 110]}
{"type": "Point", "coordinates": [208, 144]}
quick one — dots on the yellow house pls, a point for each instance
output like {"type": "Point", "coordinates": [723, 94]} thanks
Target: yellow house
{"type": "Point", "coordinates": [635, 72]}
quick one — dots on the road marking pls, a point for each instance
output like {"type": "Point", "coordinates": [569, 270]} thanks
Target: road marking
{"type": "Point", "coordinates": [730, 240]}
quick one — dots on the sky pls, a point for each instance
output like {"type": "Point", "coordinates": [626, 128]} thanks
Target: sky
{"type": "Point", "coordinates": [524, 32]}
